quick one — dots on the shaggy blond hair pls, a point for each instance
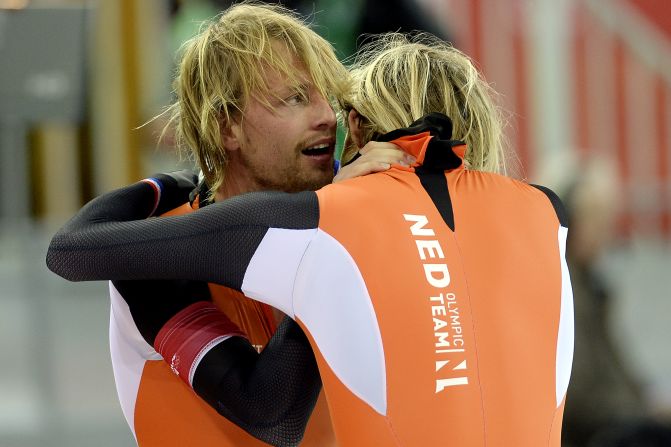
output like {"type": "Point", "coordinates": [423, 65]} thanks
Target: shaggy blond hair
{"type": "Point", "coordinates": [226, 63]}
{"type": "Point", "coordinates": [397, 79]}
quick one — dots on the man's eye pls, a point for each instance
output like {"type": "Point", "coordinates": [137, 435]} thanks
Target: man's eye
{"type": "Point", "coordinates": [298, 98]}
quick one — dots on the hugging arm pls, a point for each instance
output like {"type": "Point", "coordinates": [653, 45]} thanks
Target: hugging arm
{"type": "Point", "coordinates": [214, 244]}
{"type": "Point", "coordinates": [270, 395]}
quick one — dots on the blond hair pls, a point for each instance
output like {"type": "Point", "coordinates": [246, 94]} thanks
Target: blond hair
{"type": "Point", "coordinates": [397, 79]}
{"type": "Point", "coordinates": [226, 63]}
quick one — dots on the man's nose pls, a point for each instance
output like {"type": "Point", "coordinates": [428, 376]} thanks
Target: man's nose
{"type": "Point", "coordinates": [325, 114]}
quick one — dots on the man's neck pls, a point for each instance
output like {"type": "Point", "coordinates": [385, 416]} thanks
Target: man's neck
{"type": "Point", "coordinates": [236, 181]}
{"type": "Point", "coordinates": [231, 189]}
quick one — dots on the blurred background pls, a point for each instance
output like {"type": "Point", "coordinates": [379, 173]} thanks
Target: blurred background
{"type": "Point", "coordinates": [587, 88]}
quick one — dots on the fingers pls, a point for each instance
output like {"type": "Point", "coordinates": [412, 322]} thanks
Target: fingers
{"type": "Point", "coordinates": [385, 152]}
{"type": "Point", "coordinates": [358, 169]}
{"type": "Point", "coordinates": [377, 147]}
{"type": "Point", "coordinates": [372, 145]}
{"type": "Point", "coordinates": [375, 157]}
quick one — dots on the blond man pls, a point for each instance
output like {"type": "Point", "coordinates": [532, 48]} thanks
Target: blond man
{"type": "Point", "coordinates": [254, 91]}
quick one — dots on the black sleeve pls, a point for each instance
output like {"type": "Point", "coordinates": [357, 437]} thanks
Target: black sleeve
{"type": "Point", "coordinates": [214, 244]}
{"type": "Point", "coordinates": [270, 395]}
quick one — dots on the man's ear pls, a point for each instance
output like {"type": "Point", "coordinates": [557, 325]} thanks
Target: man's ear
{"type": "Point", "coordinates": [231, 132]}
{"type": "Point", "coordinates": [354, 124]}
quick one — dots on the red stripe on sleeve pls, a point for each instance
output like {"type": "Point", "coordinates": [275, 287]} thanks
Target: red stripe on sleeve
{"type": "Point", "coordinates": [190, 334]}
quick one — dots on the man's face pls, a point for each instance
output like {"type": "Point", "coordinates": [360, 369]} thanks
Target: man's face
{"type": "Point", "coordinates": [291, 147]}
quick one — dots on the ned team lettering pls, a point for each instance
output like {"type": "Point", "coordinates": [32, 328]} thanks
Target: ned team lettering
{"type": "Point", "coordinates": [449, 346]}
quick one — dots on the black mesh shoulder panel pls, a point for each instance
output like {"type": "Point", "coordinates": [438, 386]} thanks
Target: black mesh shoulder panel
{"type": "Point", "coordinates": [214, 244]}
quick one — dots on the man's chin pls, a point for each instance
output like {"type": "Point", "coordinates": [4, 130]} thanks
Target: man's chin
{"type": "Point", "coordinates": [318, 179]}
{"type": "Point", "coordinates": [320, 183]}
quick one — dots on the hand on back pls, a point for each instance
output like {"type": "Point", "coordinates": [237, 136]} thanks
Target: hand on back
{"type": "Point", "coordinates": [376, 156]}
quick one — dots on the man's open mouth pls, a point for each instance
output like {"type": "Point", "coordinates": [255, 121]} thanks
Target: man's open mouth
{"type": "Point", "coordinates": [319, 149]}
